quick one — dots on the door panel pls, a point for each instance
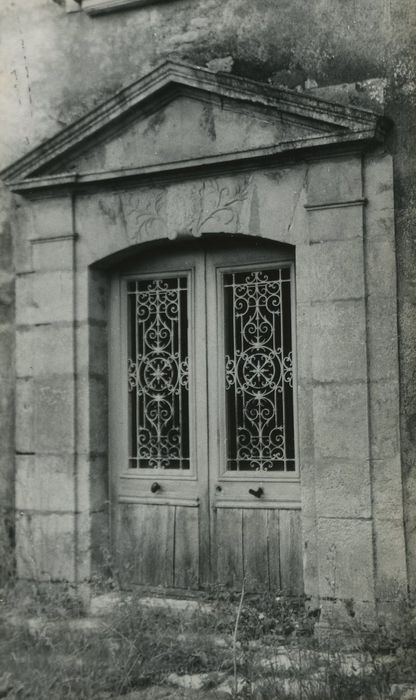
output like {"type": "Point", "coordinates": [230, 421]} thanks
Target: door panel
{"type": "Point", "coordinates": [136, 558]}
{"type": "Point", "coordinates": [260, 546]}
{"type": "Point", "coordinates": [158, 420]}
{"type": "Point", "coordinates": [205, 481]}
{"type": "Point", "coordinates": [254, 473]}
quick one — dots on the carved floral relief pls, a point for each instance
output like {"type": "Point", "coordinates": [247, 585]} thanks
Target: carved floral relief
{"type": "Point", "coordinates": [185, 209]}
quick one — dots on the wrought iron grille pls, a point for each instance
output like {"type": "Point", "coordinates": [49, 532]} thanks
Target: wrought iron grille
{"type": "Point", "coordinates": [258, 369]}
{"type": "Point", "coordinates": [158, 373]}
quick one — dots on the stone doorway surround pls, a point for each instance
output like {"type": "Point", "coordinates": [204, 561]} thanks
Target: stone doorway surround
{"type": "Point", "coordinates": [185, 153]}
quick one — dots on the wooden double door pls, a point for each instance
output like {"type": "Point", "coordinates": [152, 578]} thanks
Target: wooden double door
{"type": "Point", "coordinates": [205, 481]}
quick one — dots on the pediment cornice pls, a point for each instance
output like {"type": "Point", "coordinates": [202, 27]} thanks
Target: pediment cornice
{"type": "Point", "coordinates": [330, 123]}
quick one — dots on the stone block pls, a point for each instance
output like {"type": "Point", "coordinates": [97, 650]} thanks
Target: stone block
{"type": "Point", "coordinates": [25, 358]}
{"type": "Point", "coordinates": [6, 246]}
{"type": "Point", "coordinates": [52, 216]}
{"type": "Point", "coordinates": [391, 573]}
{"type": "Point", "coordinates": [92, 340]}
{"type": "Point", "coordinates": [277, 205]}
{"type": "Point", "coordinates": [6, 410]}
{"type": "Point", "coordinates": [7, 347]}
{"type": "Point", "coordinates": [98, 483]}
{"type": "Point", "coordinates": [381, 266]}
{"type": "Point", "coordinates": [346, 559]}
{"type": "Point", "coordinates": [83, 496]}
{"type": "Point", "coordinates": [44, 350]}
{"type": "Point", "coordinates": [341, 421]}
{"type": "Point", "coordinates": [387, 488]}
{"type": "Point", "coordinates": [93, 483]}
{"type": "Point", "coordinates": [24, 416]}
{"type": "Point", "coordinates": [339, 341]}
{"type": "Point", "coordinates": [308, 473]}
{"type": "Point", "coordinates": [23, 230]}
{"type": "Point", "coordinates": [54, 414]}
{"type": "Point", "coordinates": [336, 180]}
{"type": "Point", "coordinates": [45, 482]}
{"type": "Point", "coordinates": [84, 545]}
{"type": "Point", "coordinates": [92, 415]}
{"type": "Point", "coordinates": [337, 224]}
{"type": "Point", "coordinates": [92, 296]}
{"type": "Point", "coordinates": [53, 254]}
{"type": "Point", "coordinates": [99, 416]}
{"type": "Point", "coordinates": [379, 194]}
{"type": "Point", "coordinates": [382, 338]}
{"type": "Point", "coordinates": [100, 543]}
{"type": "Point", "coordinates": [305, 424]}
{"type": "Point", "coordinates": [385, 423]}
{"type": "Point", "coordinates": [106, 223]}
{"type": "Point", "coordinates": [44, 297]}
{"type": "Point", "coordinates": [303, 352]}
{"type": "Point", "coordinates": [7, 476]}
{"type": "Point", "coordinates": [331, 271]}
{"type": "Point", "coordinates": [7, 297]}
{"type": "Point", "coordinates": [343, 489]}
{"type": "Point", "coordinates": [54, 350]}
{"type": "Point", "coordinates": [45, 546]}
{"type": "Point", "coordinates": [310, 557]}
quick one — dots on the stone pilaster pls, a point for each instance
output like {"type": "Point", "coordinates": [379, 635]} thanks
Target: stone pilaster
{"type": "Point", "coordinates": [338, 381]}
{"type": "Point", "coordinates": [46, 463]}
{"type": "Point", "coordinates": [383, 378]}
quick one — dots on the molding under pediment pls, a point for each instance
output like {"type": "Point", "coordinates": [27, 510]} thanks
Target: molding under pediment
{"type": "Point", "coordinates": [329, 125]}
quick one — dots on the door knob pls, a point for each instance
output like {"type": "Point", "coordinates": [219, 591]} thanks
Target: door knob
{"type": "Point", "coordinates": [155, 487]}
{"type": "Point", "coordinates": [257, 493]}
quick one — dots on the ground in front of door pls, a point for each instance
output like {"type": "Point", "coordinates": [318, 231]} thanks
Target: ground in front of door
{"type": "Point", "coordinates": [132, 647]}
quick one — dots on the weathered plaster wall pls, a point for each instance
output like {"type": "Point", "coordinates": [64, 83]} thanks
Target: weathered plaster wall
{"type": "Point", "coordinates": [56, 66]}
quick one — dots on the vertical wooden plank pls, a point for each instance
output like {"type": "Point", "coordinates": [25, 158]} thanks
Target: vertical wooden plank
{"type": "Point", "coordinates": [255, 549]}
{"type": "Point", "coordinates": [158, 545]}
{"type": "Point", "coordinates": [273, 549]}
{"type": "Point", "coordinates": [146, 544]}
{"type": "Point", "coordinates": [186, 570]}
{"type": "Point", "coordinates": [291, 552]}
{"type": "Point", "coordinates": [230, 569]}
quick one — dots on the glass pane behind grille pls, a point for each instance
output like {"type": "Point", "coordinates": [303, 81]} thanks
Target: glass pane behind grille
{"type": "Point", "coordinates": [258, 369]}
{"type": "Point", "coordinates": [158, 373]}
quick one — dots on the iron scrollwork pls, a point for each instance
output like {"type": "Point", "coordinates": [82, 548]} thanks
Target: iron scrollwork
{"type": "Point", "coordinates": [258, 371]}
{"type": "Point", "coordinates": [158, 374]}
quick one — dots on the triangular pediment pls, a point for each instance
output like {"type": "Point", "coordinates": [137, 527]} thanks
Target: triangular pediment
{"type": "Point", "coordinates": [180, 116]}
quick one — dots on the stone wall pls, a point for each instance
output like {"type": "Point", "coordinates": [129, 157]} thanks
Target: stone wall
{"type": "Point", "coordinates": [56, 66]}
